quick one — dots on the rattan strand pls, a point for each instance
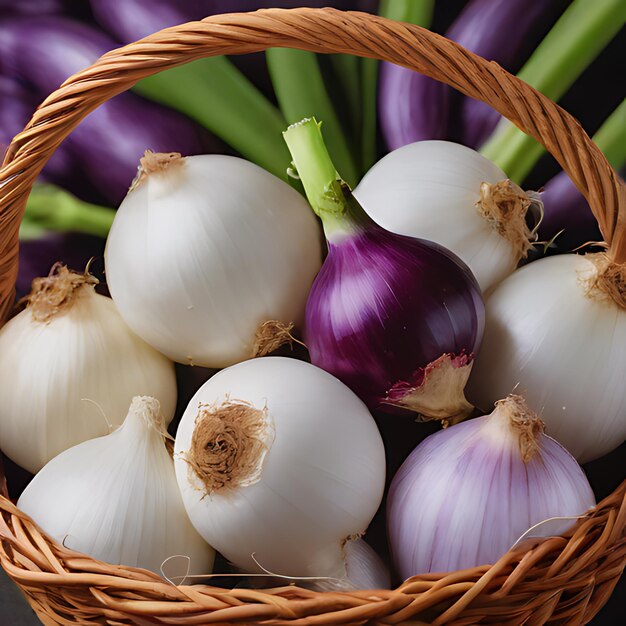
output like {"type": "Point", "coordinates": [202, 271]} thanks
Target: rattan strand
{"type": "Point", "coordinates": [563, 580]}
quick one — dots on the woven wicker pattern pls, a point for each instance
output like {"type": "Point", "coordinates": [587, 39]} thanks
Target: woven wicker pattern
{"type": "Point", "coordinates": [562, 580]}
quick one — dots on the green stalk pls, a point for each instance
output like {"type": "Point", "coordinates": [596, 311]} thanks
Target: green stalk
{"type": "Point", "coordinates": [611, 137]}
{"type": "Point", "coordinates": [346, 70]}
{"type": "Point", "coordinates": [215, 94]}
{"type": "Point", "coordinates": [52, 208]}
{"type": "Point", "coordinates": [300, 91]}
{"type": "Point", "coordinates": [580, 34]}
{"type": "Point", "coordinates": [322, 184]}
{"type": "Point", "coordinates": [413, 11]}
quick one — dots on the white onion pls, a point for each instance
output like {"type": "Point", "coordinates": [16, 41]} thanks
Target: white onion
{"type": "Point", "coordinates": [429, 189]}
{"type": "Point", "coordinates": [67, 369]}
{"type": "Point", "coordinates": [205, 249]}
{"type": "Point", "coordinates": [116, 499]}
{"type": "Point", "coordinates": [561, 347]}
{"type": "Point", "coordinates": [302, 466]}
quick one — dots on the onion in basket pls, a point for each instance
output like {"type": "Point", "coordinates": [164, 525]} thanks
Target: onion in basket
{"type": "Point", "coordinates": [466, 494]}
{"type": "Point", "coordinates": [556, 331]}
{"type": "Point", "coordinates": [116, 499]}
{"type": "Point", "coordinates": [69, 364]}
{"type": "Point", "coordinates": [279, 465]}
{"type": "Point", "coordinates": [204, 251]}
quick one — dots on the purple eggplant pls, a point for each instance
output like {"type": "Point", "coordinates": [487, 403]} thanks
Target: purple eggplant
{"type": "Point", "coordinates": [16, 108]}
{"type": "Point", "coordinates": [32, 7]}
{"type": "Point", "coordinates": [414, 108]}
{"type": "Point", "coordinates": [41, 52]}
{"type": "Point", "coordinates": [566, 212]}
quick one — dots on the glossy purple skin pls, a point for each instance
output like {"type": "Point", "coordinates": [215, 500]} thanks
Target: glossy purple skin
{"type": "Point", "coordinates": [500, 31]}
{"type": "Point", "coordinates": [16, 108]}
{"type": "Point", "coordinates": [565, 208]}
{"type": "Point", "coordinates": [130, 20]}
{"type": "Point", "coordinates": [415, 108]}
{"type": "Point", "coordinates": [384, 306]}
{"type": "Point", "coordinates": [42, 52]}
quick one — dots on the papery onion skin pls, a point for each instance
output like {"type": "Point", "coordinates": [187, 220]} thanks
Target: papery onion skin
{"type": "Point", "coordinates": [430, 189]}
{"type": "Point", "coordinates": [321, 480]}
{"type": "Point", "coordinates": [61, 380]}
{"type": "Point", "coordinates": [464, 496]}
{"type": "Point", "coordinates": [116, 499]}
{"type": "Point", "coordinates": [385, 306]}
{"type": "Point", "coordinates": [201, 255]}
{"type": "Point", "coordinates": [560, 348]}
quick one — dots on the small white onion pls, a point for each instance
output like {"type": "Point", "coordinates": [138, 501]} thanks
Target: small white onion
{"type": "Point", "coordinates": [429, 189]}
{"type": "Point", "coordinates": [69, 363]}
{"type": "Point", "coordinates": [204, 250]}
{"type": "Point", "coordinates": [562, 347]}
{"type": "Point", "coordinates": [116, 499]}
{"type": "Point", "coordinates": [276, 458]}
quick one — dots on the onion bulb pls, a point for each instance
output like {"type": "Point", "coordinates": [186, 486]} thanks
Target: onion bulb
{"type": "Point", "coordinates": [454, 196]}
{"type": "Point", "coordinates": [68, 365]}
{"type": "Point", "coordinates": [555, 332]}
{"type": "Point", "coordinates": [279, 464]}
{"type": "Point", "coordinates": [397, 319]}
{"type": "Point", "coordinates": [116, 498]}
{"type": "Point", "coordinates": [466, 494]}
{"type": "Point", "coordinates": [204, 251]}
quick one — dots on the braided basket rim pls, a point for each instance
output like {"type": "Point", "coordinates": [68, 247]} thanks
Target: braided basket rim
{"type": "Point", "coordinates": [562, 580]}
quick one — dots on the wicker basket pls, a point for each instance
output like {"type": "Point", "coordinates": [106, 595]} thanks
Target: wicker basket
{"type": "Point", "coordinates": [563, 580]}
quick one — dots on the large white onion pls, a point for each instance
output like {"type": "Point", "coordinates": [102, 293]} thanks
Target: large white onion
{"type": "Point", "coordinates": [279, 463]}
{"type": "Point", "coordinates": [562, 348]}
{"type": "Point", "coordinates": [204, 250]}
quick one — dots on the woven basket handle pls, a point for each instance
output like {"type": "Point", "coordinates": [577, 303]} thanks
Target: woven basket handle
{"type": "Point", "coordinates": [316, 30]}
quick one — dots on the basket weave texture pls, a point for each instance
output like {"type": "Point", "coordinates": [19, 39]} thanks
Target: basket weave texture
{"type": "Point", "coordinates": [561, 580]}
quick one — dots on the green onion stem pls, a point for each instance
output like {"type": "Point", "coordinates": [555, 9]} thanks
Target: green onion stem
{"type": "Point", "coordinates": [317, 172]}
{"type": "Point", "coordinates": [218, 96]}
{"type": "Point", "coordinates": [413, 11]}
{"type": "Point", "coordinates": [346, 69]}
{"type": "Point", "coordinates": [577, 38]}
{"type": "Point", "coordinates": [300, 91]}
{"type": "Point", "coordinates": [52, 208]}
{"type": "Point", "coordinates": [611, 137]}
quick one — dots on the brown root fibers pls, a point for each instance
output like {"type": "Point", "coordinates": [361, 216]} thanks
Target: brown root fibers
{"type": "Point", "coordinates": [56, 292]}
{"type": "Point", "coordinates": [525, 422]}
{"type": "Point", "coordinates": [229, 445]}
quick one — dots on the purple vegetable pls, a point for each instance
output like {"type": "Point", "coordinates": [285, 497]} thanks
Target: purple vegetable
{"type": "Point", "coordinates": [414, 108]}
{"type": "Point", "coordinates": [43, 51]}
{"type": "Point", "coordinates": [565, 209]}
{"type": "Point", "coordinates": [504, 31]}
{"type": "Point", "coordinates": [32, 7]}
{"type": "Point", "coordinates": [397, 319]}
{"type": "Point", "coordinates": [16, 107]}
{"type": "Point", "coordinates": [130, 20]}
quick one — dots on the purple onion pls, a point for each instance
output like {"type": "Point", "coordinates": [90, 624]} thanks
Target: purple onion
{"type": "Point", "coordinates": [565, 209]}
{"type": "Point", "coordinates": [468, 493]}
{"type": "Point", "coordinates": [395, 318]}
{"type": "Point", "coordinates": [42, 52]}
{"type": "Point", "coordinates": [414, 108]}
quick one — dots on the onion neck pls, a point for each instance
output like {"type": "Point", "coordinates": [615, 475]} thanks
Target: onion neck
{"type": "Point", "coordinates": [145, 417]}
{"type": "Point", "coordinates": [57, 292]}
{"type": "Point", "coordinates": [152, 163]}
{"type": "Point", "coordinates": [513, 420]}
{"type": "Point", "coordinates": [607, 280]}
{"type": "Point", "coordinates": [329, 196]}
